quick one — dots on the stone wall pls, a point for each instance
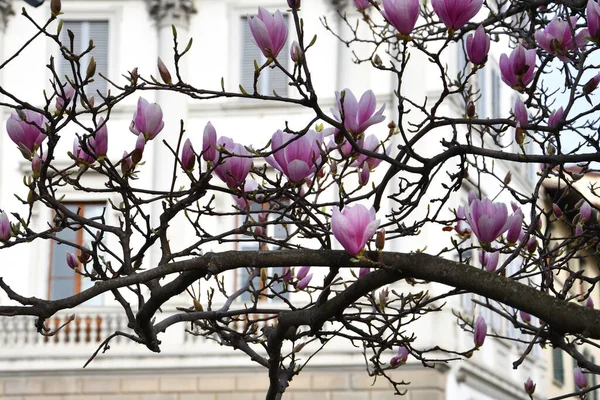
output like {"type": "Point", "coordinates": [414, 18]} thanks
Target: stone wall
{"type": "Point", "coordinates": [315, 384]}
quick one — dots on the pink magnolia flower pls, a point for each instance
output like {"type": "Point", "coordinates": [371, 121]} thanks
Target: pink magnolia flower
{"type": "Point", "coordinates": [61, 101]}
{"type": "Point", "coordinates": [364, 271]}
{"type": "Point", "coordinates": [303, 283]}
{"type": "Point", "coordinates": [28, 134]}
{"type": "Point", "coordinates": [249, 187]}
{"type": "Point", "coordinates": [580, 378]}
{"type": "Point", "coordinates": [295, 51]}
{"type": "Point", "coordinates": [555, 117]}
{"type": "Point", "coordinates": [362, 5]}
{"type": "Point", "coordinates": [487, 220]}
{"type": "Point", "coordinates": [517, 70]}
{"type": "Point", "coordinates": [585, 212]}
{"type": "Point", "coordinates": [456, 13]}
{"type": "Point", "coordinates": [296, 157]}
{"type": "Point", "coordinates": [4, 227]}
{"type": "Point", "coordinates": [99, 142]}
{"type": "Point", "coordinates": [209, 143]}
{"type": "Point", "coordinates": [287, 274]}
{"type": "Point", "coordinates": [358, 115]}
{"type": "Point", "coordinates": [593, 19]}
{"type": "Point", "coordinates": [302, 272]}
{"type": "Point", "coordinates": [515, 226]}
{"type": "Point", "coordinates": [401, 14]}
{"type": "Point", "coordinates": [525, 316]}
{"type": "Point", "coordinates": [489, 260]}
{"type": "Point", "coordinates": [72, 260]}
{"type": "Point", "coordinates": [400, 358]}
{"type": "Point", "coordinates": [80, 155]}
{"type": "Point", "coordinates": [557, 38]}
{"type": "Point", "coordinates": [234, 162]}
{"type": "Point", "coordinates": [353, 227]}
{"type": "Point", "coordinates": [364, 174]}
{"type": "Point", "coordinates": [147, 120]}
{"type": "Point", "coordinates": [370, 143]}
{"type": "Point", "coordinates": [520, 111]}
{"type": "Point", "coordinates": [478, 46]}
{"type": "Point", "coordinates": [269, 32]}
{"type": "Point", "coordinates": [480, 331]}
{"type": "Point", "coordinates": [188, 157]}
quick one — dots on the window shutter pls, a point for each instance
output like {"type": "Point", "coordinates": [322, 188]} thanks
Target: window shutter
{"type": "Point", "coordinates": [85, 31]}
{"type": "Point", "coordinates": [557, 366]}
{"type": "Point", "coordinates": [271, 79]}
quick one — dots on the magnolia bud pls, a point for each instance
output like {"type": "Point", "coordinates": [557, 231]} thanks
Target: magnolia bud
{"type": "Point", "coordinates": [55, 7]}
{"type": "Point", "coordinates": [134, 76]}
{"type": "Point", "coordinates": [519, 135]}
{"type": "Point", "coordinates": [526, 317]}
{"type": "Point", "coordinates": [479, 331]}
{"type": "Point", "coordinates": [302, 272]}
{"type": "Point", "coordinates": [380, 239]}
{"type": "Point", "coordinates": [589, 303]}
{"type": "Point", "coordinates": [556, 210]}
{"type": "Point", "coordinates": [164, 72]}
{"type": "Point", "coordinates": [507, 178]}
{"type": "Point", "coordinates": [377, 60]}
{"type": "Point", "coordinates": [363, 272]}
{"type": "Point", "coordinates": [470, 109]}
{"type": "Point", "coordinates": [72, 261]}
{"type": "Point", "coordinates": [529, 387]}
{"type": "Point", "coordinates": [91, 69]}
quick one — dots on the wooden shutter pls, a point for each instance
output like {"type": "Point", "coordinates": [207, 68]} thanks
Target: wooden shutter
{"type": "Point", "coordinates": [558, 373]}
{"type": "Point", "coordinates": [84, 31]}
{"type": "Point", "coordinates": [270, 79]}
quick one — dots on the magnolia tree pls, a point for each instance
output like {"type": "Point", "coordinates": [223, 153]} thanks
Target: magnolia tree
{"type": "Point", "coordinates": [322, 190]}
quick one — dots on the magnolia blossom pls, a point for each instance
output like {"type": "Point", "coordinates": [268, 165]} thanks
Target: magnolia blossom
{"type": "Point", "coordinates": [147, 120]}
{"type": "Point", "coordinates": [363, 271]}
{"type": "Point", "coordinates": [401, 14]}
{"type": "Point", "coordinates": [209, 143]}
{"type": "Point", "coordinates": [303, 283]}
{"type": "Point", "coordinates": [580, 378]}
{"type": "Point", "coordinates": [489, 260]}
{"type": "Point", "coordinates": [4, 227]}
{"type": "Point", "coordinates": [555, 117]}
{"type": "Point", "coordinates": [488, 220]}
{"type": "Point", "coordinates": [479, 331]}
{"type": "Point", "coordinates": [520, 112]}
{"type": "Point", "coordinates": [188, 156]}
{"type": "Point", "coordinates": [62, 101]}
{"type": "Point", "coordinates": [72, 260]}
{"type": "Point", "coordinates": [585, 212]}
{"type": "Point", "coordinates": [353, 227]}
{"type": "Point", "coordinates": [370, 143]}
{"type": "Point", "coordinates": [358, 115]}
{"type": "Point", "coordinates": [27, 132]}
{"type": "Point", "coordinates": [557, 38]}
{"type": "Point", "coordinates": [269, 32]}
{"type": "Point", "coordinates": [593, 19]}
{"type": "Point", "coordinates": [517, 70]}
{"type": "Point", "coordinates": [400, 358]}
{"type": "Point", "coordinates": [364, 174]}
{"type": "Point", "coordinates": [362, 5]}
{"type": "Point", "coordinates": [478, 46]}
{"type": "Point", "coordinates": [295, 52]}
{"type": "Point", "coordinates": [456, 13]}
{"type": "Point", "coordinates": [515, 227]}
{"type": "Point", "coordinates": [80, 155]}
{"type": "Point", "coordinates": [297, 157]}
{"type": "Point", "coordinates": [234, 162]}
{"type": "Point", "coordinates": [99, 142]}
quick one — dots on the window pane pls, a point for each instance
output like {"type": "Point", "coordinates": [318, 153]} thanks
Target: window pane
{"type": "Point", "coordinates": [59, 254]}
{"type": "Point", "coordinates": [62, 288]}
{"type": "Point", "coordinates": [557, 365]}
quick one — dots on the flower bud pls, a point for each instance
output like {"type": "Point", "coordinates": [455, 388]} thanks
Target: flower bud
{"type": "Point", "coordinates": [585, 212]}
{"type": "Point", "coordinates": [72, 261]}
{"type": "Point", "coordinates": [555, 117]}
{"type": "Point", "coordinates": [591, 85]}
{"type": "Point", "coordinates": [400, 358]}
{"type": "Point", "coordinates": [303, 283]}
{"type": "Point", "coordinates": [288, 274]}
{"type": "Point", "coordinates": [84, 256]}
{"type": "Point", "coordinates": [133, 76]}
{"type": "Point", "coordinates": [302, 272]}
{"type": "Point", "coordinates": [525, 317]}
{"type": "Point", "coordinates": [294, 4]}
{"type": "Point", "coordinates": [4, 227]}
{"type": "Point", "coordinates": [520, 112]}
{"type": "Point", "coordinates": [532, 245]}
{"type": "Point", "coordinates": [126, 164]}
{"type": "Point", "coordinates": [519, 135]}
{"type": "Point", "coordinates": [478, 46]}
{"type": "Point", "coordinates": [36, 165]}
{"type": "Point", "coordinates": [164, 72]}
{"type": "Point", "coordinates": [489, 260]}
{"type": "Point", "coordinates": [362, 272]}
{"type": "Point", "coordinates": [188, 157]}
{"type": "Point", "coordinates": [480, 331]}
{"type": "Point", "coordinates": [507, 178]}
{"type": "Point", "coordinates": [515, 227]}
{"type": "Point", "coordinates": [470, 109]}
{"type": "Point", "coordinates": [209, 143]}
{"type": "Point", "coordinates": [380, 239]}
{"type": "Point", "coordinates": [529, 387]}
{"type": "Point", "coordinates": [580, 378]}
{"type": "Point", "coordinates": [578, 230]}
{"type": "Point", "coordinates": [91, 69]}
{"type": "Point", "coordinates": [364, 174]}
{"type": "Point", "coordinates": [556, 210]}
{"type": "Point", "coordinates": [295, 52]}
{"type": "Point", "coordinates": [55, 7]}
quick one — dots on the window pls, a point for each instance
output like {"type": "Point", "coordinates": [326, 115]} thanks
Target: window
{"type": "Point", "coordinates": [63, 281]}
{"type": "Point", "coordinates": [482, 102]}
{"type": "Point", "coordinates": [277, 231]}
{"type": "Point", "coordinates": [271, 79]}
{"type": "Point", "coordinates": [558, 373]}
{"type": "Point", "coordinates": [83, 32]}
